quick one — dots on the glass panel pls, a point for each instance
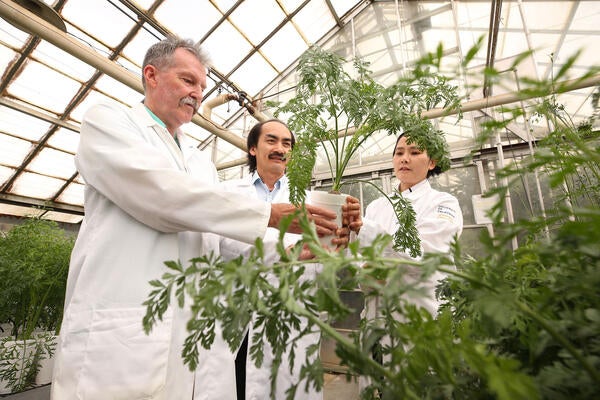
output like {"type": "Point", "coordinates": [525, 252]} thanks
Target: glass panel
{"type": "Point", "coordinates": [290, 5]}
{"type": "Point", "coordinates": [369, 193]}
{"type": "Point", "coordinates": [314, 20]}
{"type": "Point", "coordinates": [44, 87]}
{"type": "Point", "coordinates": [462, 182]}
{"type": "Point", "coordinates": [188, 19]}
{"type": "Point", "coordinates": [285, 46]}
{"type": "Point", "coordinates": [64, 139]}
{"type": "Point", "coordinates": [470, 243]}
{"type": "Point", "coordinates": [220, 45]}
{"type": "Point", "coordinates": [342, 6]}
{"type": "Point", "coordinates": [63, 217]}
{"type": "Point", "coordinates": [94, 97]}
{"type": "Point", "coordinates": [6, 56]}
{"type": "Point", "coordinates": [53, 163]}
{"type": "Point", "coordinates": [256, 73]}
{"type": "Point", "coordinates": [73, 194]}
{"type": "Point", "coordinates": [136, 49]}
{"type": "Point", "coordinates": [70, 65]}
{"type": "Point", "coordinates": [36, 186]}
{"type": "Point", "coordinates": [13, 150]}
{"type": "Point", "coordinates": [107, 22]}
{"type": "Point", "coordinates": [116, 89]}
{"type": "Point", "coordinates": [266, 15]}
{"type": "Point", "coordinates": [5, 173]}
{"type": "Point", "coordinates": [21, 124]}
{"type": "Point", "coordinates": [11, 35]}
{"type": "Point", "coordinates": [10, 209]}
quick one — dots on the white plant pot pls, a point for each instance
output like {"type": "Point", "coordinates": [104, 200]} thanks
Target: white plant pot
{"type": "Point", "coordinates": [329, 201]}
{"type": "Point", "coordinates": [44, 375]}
{"type": "Point", "coordinates": [22, 350]}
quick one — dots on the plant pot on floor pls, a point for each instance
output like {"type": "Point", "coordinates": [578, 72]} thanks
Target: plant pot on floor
{"type": "Point", "coordinates": [16, 362]}
{"type": "Point", "coordinates": [26, 363]}
{"type": "Point", "coordinates": [329, 201]}
{"type": "Point", "coordinates": [44, 375]}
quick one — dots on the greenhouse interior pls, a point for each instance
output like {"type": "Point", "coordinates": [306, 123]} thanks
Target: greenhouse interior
{"type": "Point", "coordinates": [512, 87]}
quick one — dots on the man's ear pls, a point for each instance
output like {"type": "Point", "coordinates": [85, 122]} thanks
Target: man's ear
{"type": "Point", "coordinates": [252, 151]}
{"type": "Point", "coordinates": [150, 75]}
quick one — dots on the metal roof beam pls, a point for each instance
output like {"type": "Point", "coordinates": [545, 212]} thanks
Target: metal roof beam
{"type": "Point", "coordinates": [24, 19]}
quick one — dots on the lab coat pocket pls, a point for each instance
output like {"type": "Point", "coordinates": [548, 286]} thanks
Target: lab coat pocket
{"type": "Point", "coordinates": [121, 360]}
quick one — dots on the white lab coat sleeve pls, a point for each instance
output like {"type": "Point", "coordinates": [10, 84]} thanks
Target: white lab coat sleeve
{"type": "Point", "coordinates": [230, 249]}
{"type": "Point", "coordinates": [118, 161]}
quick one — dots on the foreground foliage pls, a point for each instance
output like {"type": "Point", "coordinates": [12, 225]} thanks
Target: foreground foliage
{"type": "Point", "coordinates": [515, 324]}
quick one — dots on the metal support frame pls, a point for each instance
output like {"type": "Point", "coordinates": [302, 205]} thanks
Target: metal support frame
{"type": "Point", "coordinates": [26, 20]}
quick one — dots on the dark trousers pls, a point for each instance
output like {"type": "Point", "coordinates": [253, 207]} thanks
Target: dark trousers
{"type": "Point", "coordinates": [240, 369]}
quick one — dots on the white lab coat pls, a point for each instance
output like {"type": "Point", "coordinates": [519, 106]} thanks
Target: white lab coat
{"type": "Point", "coordinates": [258, 379]}
{"type": "Point", "coordinates": [146, 202]}
{"type": "Point", "coordinates": [438, 219]}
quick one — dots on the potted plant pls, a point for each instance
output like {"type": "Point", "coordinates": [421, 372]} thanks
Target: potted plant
{"type": "Point", "coordinates": [337, 111]}
{"type": "Point", "coordinates": [34, 262]}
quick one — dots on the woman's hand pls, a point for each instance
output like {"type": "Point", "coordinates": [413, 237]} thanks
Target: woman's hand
{"type": "Point", "coordinates": [352, 214]}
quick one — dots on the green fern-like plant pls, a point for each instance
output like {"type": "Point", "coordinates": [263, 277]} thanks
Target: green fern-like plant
{"type": "Point", "coordinates": [337, 111]}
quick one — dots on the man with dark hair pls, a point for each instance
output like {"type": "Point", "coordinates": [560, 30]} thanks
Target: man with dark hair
{"type": "Point", "coordinates": [268, 145]}
{"type": "Point", "coordinates": [150, 197]}
{"type": "Point", "coordinates": [252, 143]}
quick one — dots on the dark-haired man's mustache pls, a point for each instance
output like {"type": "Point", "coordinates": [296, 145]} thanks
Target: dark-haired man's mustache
{"type": "Point", "coordinates": [278, 156]}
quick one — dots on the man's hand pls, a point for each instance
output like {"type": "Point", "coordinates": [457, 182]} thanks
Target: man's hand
{"type": "Point", "coordinates": [341, 239]}
{"type": "Point", "coordinates": [352, 214]}
{"type": "Point", "coordinates": [324, 219]}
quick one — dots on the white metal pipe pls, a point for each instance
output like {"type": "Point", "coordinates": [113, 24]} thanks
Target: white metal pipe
{"type": "Point", "coordinates": [207, 106]}
{"type": "Point", "coordinates": [507, 98]}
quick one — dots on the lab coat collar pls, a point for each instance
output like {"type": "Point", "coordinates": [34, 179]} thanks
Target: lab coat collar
{"type": "Point", "coordinates": [417, 190]}
{"type": "Point", "coordinates": [145, 116]}
{"type": "Point", "coordinates": [142, 114]}
{"type": "Point", "coordinates": [145, 119]}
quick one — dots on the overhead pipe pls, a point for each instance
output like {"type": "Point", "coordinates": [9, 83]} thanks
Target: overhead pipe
{"type": "Point", "coordinates": [232, 163]}
{"type": "Point", "coordinates": [493, 101]}
{"type": "Point", "coordinates": [223, 98]}
{"type": "Point", "coordinates": [208, 105]}
{"type": "Point", "coordinates": [31, 23]}
{"type": "Point", "coordinates": [513, 97]}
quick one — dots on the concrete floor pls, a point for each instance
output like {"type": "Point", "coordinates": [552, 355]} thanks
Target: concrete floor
{"type": "Point", "coordinates": [38, 393]}
{"type": "Point", "coordinates": [336, 388]}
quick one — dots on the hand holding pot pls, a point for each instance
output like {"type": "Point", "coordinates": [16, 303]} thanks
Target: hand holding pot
{"type": "Point", "coordinates": [352, 214]}
{"type": "Point", "coordinates": [324, 219]}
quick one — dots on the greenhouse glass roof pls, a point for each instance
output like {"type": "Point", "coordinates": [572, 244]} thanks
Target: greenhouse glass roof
{"type": "Point", "coordinates": [57, 58]}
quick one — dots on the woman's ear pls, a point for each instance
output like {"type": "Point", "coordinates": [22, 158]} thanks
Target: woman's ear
{"type": "Point", "coordinates": [432, 164]}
